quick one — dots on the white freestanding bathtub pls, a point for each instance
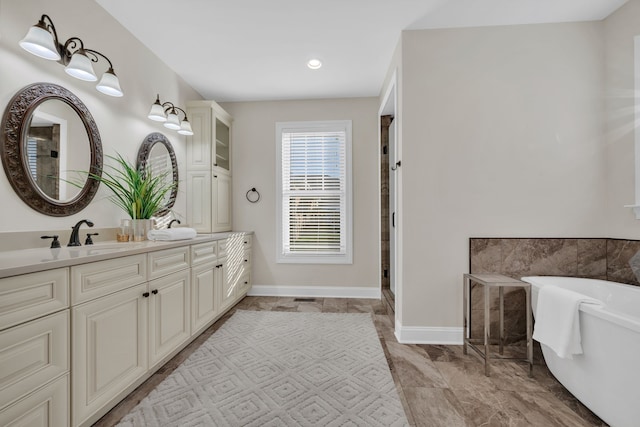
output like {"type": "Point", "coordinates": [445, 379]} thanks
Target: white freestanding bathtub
{"type": "Point", "coordinates": [606, 377]}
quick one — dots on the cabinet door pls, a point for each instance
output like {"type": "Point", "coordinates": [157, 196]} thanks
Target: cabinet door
{"type": "Point", "coordinates": [108, 348]}
{"type": "Point", "coordinates": [199, 201]}
{"type": "Point", "coordinates": [205, 295]}
{"type": "Point", "coordinates": [169, 314]}
{"type": "Point", "coordinates": [229, 286]}
{"type": "Point", "coordinates": [199, 144]}
{"type": "Point", "coordinates": [221, 202]}
{"type": "Point", "coordinates": [46, 407]}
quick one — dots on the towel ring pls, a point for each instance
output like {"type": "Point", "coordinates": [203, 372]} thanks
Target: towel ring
{"type": "Point", "coordinates": [253, 199]}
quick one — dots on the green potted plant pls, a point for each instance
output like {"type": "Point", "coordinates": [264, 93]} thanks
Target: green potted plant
{"type": "Point", "coordinates": [137, 191]}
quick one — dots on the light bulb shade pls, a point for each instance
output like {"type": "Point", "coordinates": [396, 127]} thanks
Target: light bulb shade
{"type": "Point", "coordinates": [185, 128]}
{"type": "Point", "coordinates": [157, 113]}
{"type": "Point", "coordinates": [173, 122]}
{"type": "Point", "coordinates": [39, 42]}
{"type": "Point", "coordinates": [109, 84]}
{"type": "Point", "coordinates": [80, 67]}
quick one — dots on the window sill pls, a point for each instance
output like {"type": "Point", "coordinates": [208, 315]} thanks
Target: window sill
{"type": "Point", "coordinates": [315, 259]}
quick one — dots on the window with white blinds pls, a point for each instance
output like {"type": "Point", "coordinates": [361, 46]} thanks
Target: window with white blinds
{"type": "Point", "coordinates": [314, 185]}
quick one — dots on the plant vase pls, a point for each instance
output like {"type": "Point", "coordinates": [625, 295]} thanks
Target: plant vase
{"type": "Point", "coordinates": [139, 229]}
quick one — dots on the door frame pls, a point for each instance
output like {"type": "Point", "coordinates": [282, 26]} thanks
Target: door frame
{"type": "Point", "coordinates": [389, 106]}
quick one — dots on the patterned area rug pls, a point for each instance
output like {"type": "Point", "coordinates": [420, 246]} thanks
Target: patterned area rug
{"type": "Point", "coordinates": [279, 369]}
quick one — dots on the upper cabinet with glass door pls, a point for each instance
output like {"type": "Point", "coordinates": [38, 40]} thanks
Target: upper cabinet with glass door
{"type": "Point", "coordinates": [210, 146]}
{"type": "Point", "coordinates": [222, 145]}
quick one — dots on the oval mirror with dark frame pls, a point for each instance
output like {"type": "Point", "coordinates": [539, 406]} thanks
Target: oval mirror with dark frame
{"type": "Point", "coordinates": [47, 135]}
{"type": "Point", "coordinates": [156, 154]}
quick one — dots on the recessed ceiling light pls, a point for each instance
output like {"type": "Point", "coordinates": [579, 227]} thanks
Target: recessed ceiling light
{"type": "Point", "coordinates": [314, 64]}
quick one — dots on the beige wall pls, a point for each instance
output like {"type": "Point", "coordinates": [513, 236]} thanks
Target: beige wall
{"type": "Point", "coordinates": [254, 165]}
{"type": "Point", "coordinates": [501, 136]}
{"type": "Point", "coordinates": [619, 30]}
{"type": "Point", "coordinates": [122, 121]}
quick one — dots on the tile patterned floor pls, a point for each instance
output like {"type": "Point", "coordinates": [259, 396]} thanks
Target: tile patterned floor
{"type": "Point", "coordinates": [438, 385]}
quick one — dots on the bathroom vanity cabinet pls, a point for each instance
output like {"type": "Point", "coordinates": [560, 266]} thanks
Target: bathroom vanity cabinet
{"type": "Point", "coordinates": [108, 325]}
{"type": "Point", "coordinates": [209, 167]}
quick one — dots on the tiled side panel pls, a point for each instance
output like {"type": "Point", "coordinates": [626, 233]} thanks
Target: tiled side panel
{"type": "Point", "coordinates": [623, 261]}
{"type": "Point", "coordinates": [524, 257]}
{"type": "Point", "coordinates": [592, 258]}
{"type": "Point", "coordinates": [528, 257]}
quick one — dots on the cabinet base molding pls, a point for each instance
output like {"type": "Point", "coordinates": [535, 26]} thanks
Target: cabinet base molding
{"type": "Point", "coordinates": [366, 292]}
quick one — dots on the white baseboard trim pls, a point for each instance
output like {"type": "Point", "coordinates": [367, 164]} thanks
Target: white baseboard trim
{"type": "Point", "coordinates": [315, 291]}
{"type": "Point", "coordinates": [428, 335]}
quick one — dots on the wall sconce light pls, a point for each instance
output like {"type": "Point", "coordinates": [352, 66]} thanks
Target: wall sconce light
{"type": "Point", "coordinates": [42, 41]}
{"type": "Point", "coordinates": [167, 113]}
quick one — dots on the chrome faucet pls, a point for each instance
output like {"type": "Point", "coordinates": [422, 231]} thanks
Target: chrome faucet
{"type": "Point", "coordinates": [74, 240]}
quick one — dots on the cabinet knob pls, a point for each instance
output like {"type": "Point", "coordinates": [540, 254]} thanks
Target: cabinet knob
{"type": "Point", "coordinates": [155, 291]}
{"type": "Point", "coordinates": [146, 295]}
{"type": "Point", "coordinates": [246, 260]}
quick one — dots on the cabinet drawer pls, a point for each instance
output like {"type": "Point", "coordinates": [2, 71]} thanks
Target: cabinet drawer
{"type": "Point", "coordinates": [96, 279]}
{"type": "Point", "coordinates": [222, 248]}
{"type": "Point", "coordinates": [32, 354]}
{"type": "Point", "coordinates": [168, 261]}
{"type": "Point", "coordinates": [234, 245]}
{"type": "Point", "coordinates": [245, 283]}
{"type": "Point", "coordinates": [26, 297]}
{"type": "Point", "coordinates": [46, 407]}
{"type": "Point", "coordinates": [204, 252]}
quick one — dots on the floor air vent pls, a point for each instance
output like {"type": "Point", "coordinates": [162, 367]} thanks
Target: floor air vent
{"type": "Point", "coordinates": [304, 300]}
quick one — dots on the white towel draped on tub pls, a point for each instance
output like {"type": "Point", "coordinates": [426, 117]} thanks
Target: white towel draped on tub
{"type": "Point", "coordinates": [180, 233]}
{"type": "Point", "coordinates": [558, 320]}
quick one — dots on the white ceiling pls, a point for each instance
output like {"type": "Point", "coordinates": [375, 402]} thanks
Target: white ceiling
{"type": "Point", "coordinates": [240, 50]}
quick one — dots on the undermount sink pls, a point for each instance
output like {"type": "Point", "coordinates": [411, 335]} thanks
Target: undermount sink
{"type": "Point", "coordinates": [111, 245]}
{"type": "Point", "coordinates": [102, 248]}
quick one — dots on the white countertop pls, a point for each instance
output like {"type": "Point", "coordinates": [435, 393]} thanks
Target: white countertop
{"type": "Point", "coordinates": [13, 263]}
